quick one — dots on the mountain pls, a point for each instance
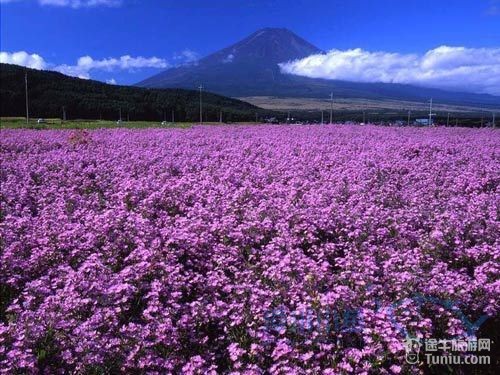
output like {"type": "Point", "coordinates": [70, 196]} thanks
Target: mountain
{"type": "Point", "coordinates": [250, 68]}
{"type": "Point", "coordinates": [87, 99]}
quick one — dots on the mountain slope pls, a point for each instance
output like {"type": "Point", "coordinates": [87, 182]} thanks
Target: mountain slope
{"type": "Point", "coordinates": [241, 69]}
{"type": "Point", "coordinates": [50, 91]}
{"type": "Point", "coordinates": [250, 68]}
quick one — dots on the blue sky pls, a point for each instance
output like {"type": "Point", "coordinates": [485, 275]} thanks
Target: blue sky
{"type": "Point", "coordinates": [166, 33]}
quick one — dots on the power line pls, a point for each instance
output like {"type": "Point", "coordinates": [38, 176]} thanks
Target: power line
{"type": "Point", "coordinates": [331, 107]}
{"type": "Point", "coordinates": [430, 112]}
{"type": "Point", "coordinates": [26, 90]}
{"type": "Point", "coordinates": [201, 105]}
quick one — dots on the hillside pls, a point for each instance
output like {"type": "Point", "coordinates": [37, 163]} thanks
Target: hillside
{"type": "Point", "coordinates": [87, 99]}
{"type": "Point", "coordinates": [250, 68]}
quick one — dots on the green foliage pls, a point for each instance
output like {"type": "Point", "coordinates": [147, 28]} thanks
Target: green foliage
{"type": "Point", "coordinates": [87, 99]}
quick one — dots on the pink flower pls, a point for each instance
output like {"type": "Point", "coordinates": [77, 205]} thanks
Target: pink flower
{"type": "Point", "coordinates": [284, 249]}
{"type": "Point", "coordinates": [395, 369]}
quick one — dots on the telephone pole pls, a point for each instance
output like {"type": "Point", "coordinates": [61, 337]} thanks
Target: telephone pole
{"type": "Point", "coordinates": [220, 116]}
{"type": "Point", "coordinates": [120, 114]}
{"type": "Point", "coordinates": [321, 117]}
{"type": "Point", "coordinates": [201, 105]}
{"type": "Point", "coordinates": [448, 120]}
{"type": "Point", "coordinates": [331, 107]}
{"type": "Point", "coordinates": [493, 120]}
{"type": "Point", "coordinates": [409, 115]}
{"type": "Point", "coordinates": [173, 116]}
{"type": "Point", "coordinates": [26, 90]}
{"type": "Point", "coordinates": [64, 113]}
{"type": "Point", "coordinates": [430, 112]}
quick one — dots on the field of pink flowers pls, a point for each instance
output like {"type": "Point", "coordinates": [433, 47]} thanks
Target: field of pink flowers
{"type": "Point", "coordinates": [269, 249]}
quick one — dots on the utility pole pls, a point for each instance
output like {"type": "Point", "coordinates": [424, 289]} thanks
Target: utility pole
{"type": "Point", "coordinates": [26, 90]}
{"type": "Point", "coordinates": [482, 120]}
{"type": "Point", "coordinates": [201, 105]}
{"type": "Point", "coordinates": [409, 115]}
{"type": "Point", "coordinates": [364, 116]}
{"type": "Point", "coordinates": [256, 117]}
{"type": "Point", "coordinates": [321, 117]}
{"type": "Point", "coordinates": [430, 112]}
{"type": "Point", "coordinates": [64, 113]}
{"type": "Point", "coordinates": [456, 122]}
{"type": "Point", "coordinates": [493, 120]}
{"type": "Point", "coordinates": [288, 118]}
{"type": "Point", "coordinates": [331, 107]}
{"type": "Point", "coordinates": [173, 116]}
{"type": "Point", "coordinates": [120, 114]}
{"type": "Point", "coordinates": [448, 120]}
{"type": "Point", "coordinates": [220, 116]}
{"type": "Point", "coordinates": [128, 116]}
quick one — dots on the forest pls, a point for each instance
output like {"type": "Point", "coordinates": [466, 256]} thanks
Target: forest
{"type": "Point", "coordinates": [51, 93]}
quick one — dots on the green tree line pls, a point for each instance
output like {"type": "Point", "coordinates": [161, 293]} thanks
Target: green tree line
{"type": "Point", "coordinates": [49, 92]}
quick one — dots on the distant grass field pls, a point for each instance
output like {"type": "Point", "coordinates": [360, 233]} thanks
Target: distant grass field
{"type": "Point", "coordinates": [20, 123]}
{"type": "Point", "coordinates": [356, 104]}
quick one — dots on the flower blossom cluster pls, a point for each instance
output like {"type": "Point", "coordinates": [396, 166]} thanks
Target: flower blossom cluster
{"type": "Point", "coordinates": [264, 249]}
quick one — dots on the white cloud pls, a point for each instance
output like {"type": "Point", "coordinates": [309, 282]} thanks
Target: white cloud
{"type": "Point", "coordinates": [457, 68]}
{"type": "Point", "coordinates": [76, 4]}
{"type": "Point", "coordinates": [111, 81]}
{"type": "Point", "coordinates": [23, 58]}
{"type": "Point", "coordinates": [228, 59]}
{"type": "Point", "coordinates": [187, 56]}
{"type": "Point", "coordinates": [84, 64]}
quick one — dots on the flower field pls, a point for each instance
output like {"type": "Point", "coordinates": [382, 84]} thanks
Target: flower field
{"type": "Point", "coordinates": [264, 249]}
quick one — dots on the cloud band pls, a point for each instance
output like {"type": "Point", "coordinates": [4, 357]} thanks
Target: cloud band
{"type": "Point", "coordinates": [455, 68]}
{"type": "Point", "coordinates": [84, 64]}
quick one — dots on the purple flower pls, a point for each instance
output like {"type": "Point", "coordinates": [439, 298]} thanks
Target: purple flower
{"type": "Point", "coordinates": [291, 249]}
